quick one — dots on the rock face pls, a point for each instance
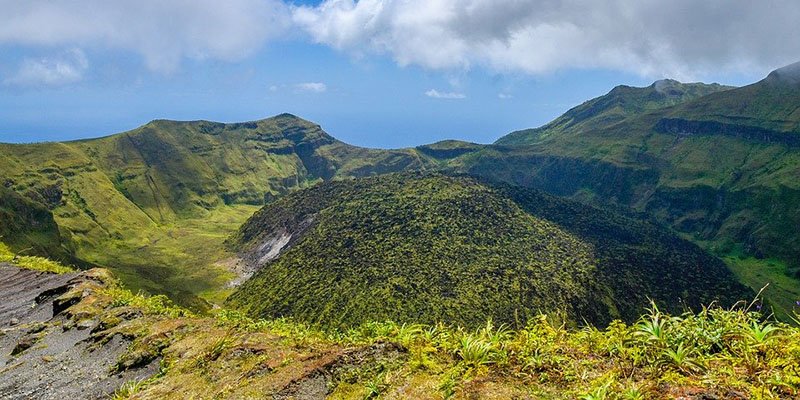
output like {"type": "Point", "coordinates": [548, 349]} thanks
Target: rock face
{"type": "Point", "coordinates": [44, 352]}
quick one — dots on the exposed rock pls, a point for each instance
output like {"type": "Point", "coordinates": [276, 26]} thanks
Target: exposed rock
{"type": "Point", "coordinates": [40, 356]}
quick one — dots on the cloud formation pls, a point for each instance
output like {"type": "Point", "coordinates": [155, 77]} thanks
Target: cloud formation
{"type": "Point", "coordinates": [445, 95]}
{"type": "Point", "coordinates": [66, 68]}
{"type": "Point", "coordinates": [314, 87]}
{"type": "Point", "coordinates": [300, 88]}
{"type": "Point", "coordinates": [680, 38]}
{"type": "Point", "coordinates": [162, 32]}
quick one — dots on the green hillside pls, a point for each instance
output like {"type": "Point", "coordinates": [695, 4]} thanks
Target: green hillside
{"type": "Point", "coordinates": [721, 169]}
{"type": "Point", "coordinates": [620, 103]}
{"type": "Point", "coordinates": [29, 228]}
{"type": "Point", "coordinates": [154, 204]}
{"type": "Point", "coordinates": [769, 105]}
{"type": "Point", "coordinates": [436, 248]}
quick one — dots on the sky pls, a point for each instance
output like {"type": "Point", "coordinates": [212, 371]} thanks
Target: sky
{"type": "Point", "coordinates": [374, 73]}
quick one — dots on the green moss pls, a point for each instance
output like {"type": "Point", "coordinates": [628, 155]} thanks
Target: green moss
{"type": "Point", "coordinates": [150, 305]}
{"type": "Point", "coordinates": [430, 248]}
{"type": "Point", "coordinates": [41, 264]}
{"type": "Point", "coordinates": [5, 253]}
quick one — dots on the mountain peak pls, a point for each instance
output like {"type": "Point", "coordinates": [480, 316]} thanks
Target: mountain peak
{"type": "Point", "coordinates": [662, 83]}
{"type": "Point", "coordinates": [789, 74]}
{"type": "Point", "coordinates": [668, 87]}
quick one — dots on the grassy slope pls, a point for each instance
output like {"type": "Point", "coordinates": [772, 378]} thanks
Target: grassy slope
{"type": "Point", "coordinates": [784, 289]}
{"type": "Point", "coordinates": [620, 103]}
{"type": "Point", "coordinates": [429, 248]}
{"type": "Point", "coordinates": [29, 228]}
{"type": "Point", "coordinates": [31, 262]}
{"type": "Point", "coordinates": [769, 104]}
{"type": "Point", "coordinates": [140, 202]}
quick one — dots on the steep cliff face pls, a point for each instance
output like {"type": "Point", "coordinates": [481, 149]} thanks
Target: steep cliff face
{"type": "Point", "coordinates": [49, 348]}
{"type": "Point", "coordinates": [81, 335]}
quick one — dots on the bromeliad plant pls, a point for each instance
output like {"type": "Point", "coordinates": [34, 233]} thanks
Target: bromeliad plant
{"type": "Point", "coordinates": [715, 347]}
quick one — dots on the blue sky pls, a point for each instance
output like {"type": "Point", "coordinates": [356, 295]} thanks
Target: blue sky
{"type": "Point", "coordinates": [397, 78]}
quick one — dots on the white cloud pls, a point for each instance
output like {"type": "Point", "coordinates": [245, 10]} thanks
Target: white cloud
{"type": "Point", "coordinates": [680, 38]}
{"type": "Point", "coordinates": [314, 87]}
{"type": "Point", "coordinates": [63, 69]}
{"type": "Point", "coordinates": [299, 88]}
{"type": "Point", "coordinates": [504, 96]}
{"type": "Point", "coordinates": [162, 32]}
{"type": "Point", "coordinates": [444, 95]}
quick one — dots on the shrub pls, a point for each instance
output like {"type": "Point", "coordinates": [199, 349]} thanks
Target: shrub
{"type": "Point", "coordinates": [155, 305]}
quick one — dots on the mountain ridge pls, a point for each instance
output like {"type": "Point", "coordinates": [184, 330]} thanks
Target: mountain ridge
{"type": "Point", "coordinates": [129, 190]}
{"type": "Point", "coordinates": [139, 188]}
{"type": "Point", "coordinates": [619, 103]}
{"type": "Point", "coordinates": [721, 169]}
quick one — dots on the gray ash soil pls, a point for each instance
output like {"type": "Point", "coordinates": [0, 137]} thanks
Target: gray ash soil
{"type": "Point", "coordinates": [43, 354]}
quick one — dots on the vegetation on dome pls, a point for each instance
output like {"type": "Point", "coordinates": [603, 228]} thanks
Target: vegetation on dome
{"type": "Point", "coordinates": [427, 248]}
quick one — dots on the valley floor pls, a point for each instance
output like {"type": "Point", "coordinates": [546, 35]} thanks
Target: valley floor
{"type": "Point", "coordinates": [178, 260]}
{"type": "Point", "coordinates": [771, 276]}
{"type": "Point", "coordinates": [783, 291]}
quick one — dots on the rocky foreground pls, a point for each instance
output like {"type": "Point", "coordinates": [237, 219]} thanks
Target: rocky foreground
{"type": "Point", "coordinates": [70, 336]}
{"type": "Point", "coordinates": [50, 345]}
{"type": "Point", "coordinates": [82, 335]}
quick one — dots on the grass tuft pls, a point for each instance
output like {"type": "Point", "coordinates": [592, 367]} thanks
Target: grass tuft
{"type": "Point", "coordinates": [32, 262]}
